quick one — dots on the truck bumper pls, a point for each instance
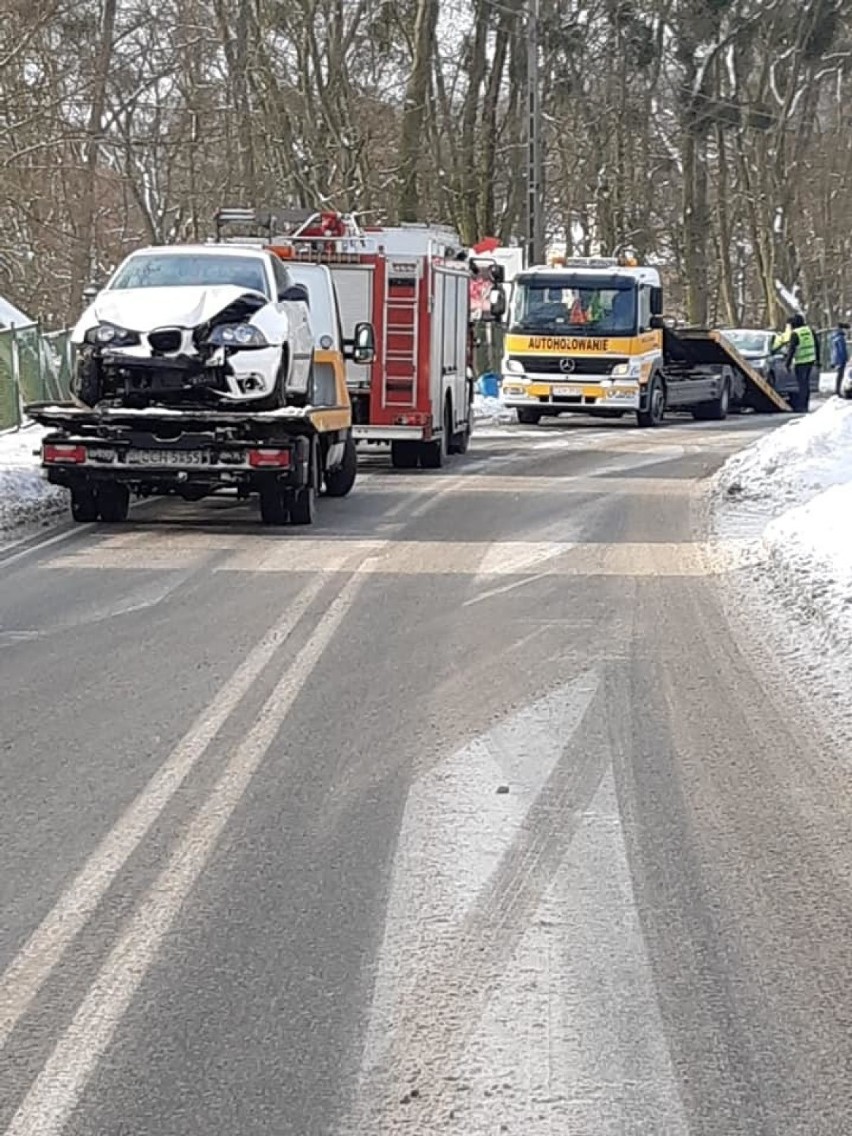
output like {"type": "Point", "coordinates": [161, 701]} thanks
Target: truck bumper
{"type": "Point", "coordinates": [579, 395]}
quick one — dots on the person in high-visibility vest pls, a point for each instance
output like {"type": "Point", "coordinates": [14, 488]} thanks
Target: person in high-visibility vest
{"type": "Point", "coordinates": [803, 356]}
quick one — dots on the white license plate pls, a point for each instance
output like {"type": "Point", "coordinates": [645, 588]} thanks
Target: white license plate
{"type": "Point", "coordinates": [567, 392]}
{"type": "Point", "coordinates": [166, 457]}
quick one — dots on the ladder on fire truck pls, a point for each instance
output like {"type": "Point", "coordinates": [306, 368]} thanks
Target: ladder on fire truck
{"type": "Point", "coordinates": [402, 338]}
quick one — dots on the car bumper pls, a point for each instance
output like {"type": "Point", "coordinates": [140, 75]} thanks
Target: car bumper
{"type": "Point", "coordinates": [578, 395]}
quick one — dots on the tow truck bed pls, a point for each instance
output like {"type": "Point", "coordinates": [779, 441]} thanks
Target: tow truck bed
{"type": "Point", "coordinates": [699, 346]}
{"type": "Point", "coordinates": [103, 456]}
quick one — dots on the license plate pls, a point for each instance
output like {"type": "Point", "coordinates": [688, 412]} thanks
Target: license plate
{"type": "Point", "coordinates": [567, 392]}
{"type": "Point", "coordinates": [166, 457]}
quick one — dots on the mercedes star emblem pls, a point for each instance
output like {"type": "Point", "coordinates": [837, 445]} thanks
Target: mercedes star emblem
{"type": "Point", "coordinates": [566, 366]}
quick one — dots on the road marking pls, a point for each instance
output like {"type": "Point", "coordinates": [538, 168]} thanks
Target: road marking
{"type": "Point", "coordinates": [436, 557]}
{"type": "Point", "coordinates": [34, 545]}
{"type": "Point", "coordinates": [55, 1092]}
{"type": "Point", "coordinates": [34, 962]}
{"type": "Point", "coordinates": [513, 982]}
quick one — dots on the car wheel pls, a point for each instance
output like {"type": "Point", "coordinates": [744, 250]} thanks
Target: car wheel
{"type": "Point", "coordinates": [338, 482]}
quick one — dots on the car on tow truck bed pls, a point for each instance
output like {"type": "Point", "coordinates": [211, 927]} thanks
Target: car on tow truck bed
{"type": "Point", "coordinates": [205, 370]}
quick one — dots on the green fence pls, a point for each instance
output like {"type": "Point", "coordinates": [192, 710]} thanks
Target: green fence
{"type": "Point", "coordinates": [34, 367]}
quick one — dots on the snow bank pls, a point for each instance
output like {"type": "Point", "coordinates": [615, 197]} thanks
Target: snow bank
{"type": "Point", "coordinates": [789, 465]}
{"type": "Point", "coordinates": [491, 410]}
{"type": "Point", "coordinates": [795, 484]}
{"type": "Point", "coordinates": [24, 497]}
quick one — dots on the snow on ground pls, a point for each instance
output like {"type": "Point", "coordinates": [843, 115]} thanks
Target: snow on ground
{"type": "Point", "coordinates": [25, 499]}
{"type": "Point", "coordinates": [793, 489]}
{"type": "Point", "coordinates": [491, 410]}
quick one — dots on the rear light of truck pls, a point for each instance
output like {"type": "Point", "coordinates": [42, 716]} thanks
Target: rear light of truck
{"type": "Point", "coordinates": [414, 419]}
{"type": "Point", "coordinates": [53, 452]}
{"type": "Point", "coordinates": [269, 459]}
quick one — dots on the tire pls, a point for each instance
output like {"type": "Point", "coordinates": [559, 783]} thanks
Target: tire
{"type": "Point", "coordinates": [433, 454]}
{"type": "Point", "coordinates": [274, 504]}
{"type": "Point", "coordinates": [656, 410]}
{"type": "Point", "coordinates": [461, 439]}
{"type": "Point", "coordinates": [528, 417]}
{"type": "Point", "coordinates": [338, 482]}
{"type": "Point", "coordinates": [84, 507]}
{"type": "Point", "coordinates": [113, 502]}
{"type": "Point", "coordinates": [405, 455]}
{"type": "Point", "coordinates": [716, 411]}
{"type": "Point", "coordinates": [303, 501]}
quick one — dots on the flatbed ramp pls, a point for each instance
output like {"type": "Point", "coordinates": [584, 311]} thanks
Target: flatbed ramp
{"type": "Point", "coordinates": [702, 346]}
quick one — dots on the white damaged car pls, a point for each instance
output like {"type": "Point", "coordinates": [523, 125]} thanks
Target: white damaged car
{"type": "Point", "coordinates": [196, 325]}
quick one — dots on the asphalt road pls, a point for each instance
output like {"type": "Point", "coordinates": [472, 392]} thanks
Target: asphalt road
{"type": "Point", "coordinates": [465, 812]}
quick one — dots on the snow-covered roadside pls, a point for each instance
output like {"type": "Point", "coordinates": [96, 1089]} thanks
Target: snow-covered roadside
{"type": "Point", "coordinates": [791, 494]}
{"type": "Point", "coordinates": [491, 410]}
{"type": "Point", "coordinates": [25, 498]}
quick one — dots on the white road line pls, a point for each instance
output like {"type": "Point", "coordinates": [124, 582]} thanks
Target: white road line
{"type": "Point", "coordinates": [33, 964]}
{"type": "Point", "coordinates": [56, 1090]}
{"type": "Point", "coordinates": [37, 546]}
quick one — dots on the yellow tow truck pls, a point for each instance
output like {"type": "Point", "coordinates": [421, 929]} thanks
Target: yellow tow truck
{"type": "Point", "coordinates": [587, 335]}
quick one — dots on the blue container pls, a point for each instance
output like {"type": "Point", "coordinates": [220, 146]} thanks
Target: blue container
{"type": "Point", "coordinates": [489, 384]}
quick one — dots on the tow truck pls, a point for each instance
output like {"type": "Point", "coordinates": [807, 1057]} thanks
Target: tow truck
{"type": "Point", "coordinates": [202, 370]}
{"type": "Point", "coordinates": [587, 335]}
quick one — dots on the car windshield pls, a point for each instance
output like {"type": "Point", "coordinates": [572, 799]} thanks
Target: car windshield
{"type": "Point", "coordinates": [750, 342]}
{"type": "Point", "coordinates": [570, 305]}
{"type": "Point", "coordinates": [182, 270]}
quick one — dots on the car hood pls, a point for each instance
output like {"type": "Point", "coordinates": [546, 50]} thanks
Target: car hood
{"type": "Point", "coordinates": [143, 309]}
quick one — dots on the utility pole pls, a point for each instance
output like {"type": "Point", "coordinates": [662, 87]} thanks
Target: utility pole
{"type": "Point", "coordinates": [535, 173]}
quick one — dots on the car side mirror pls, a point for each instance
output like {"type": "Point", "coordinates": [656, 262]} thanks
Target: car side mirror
{"type": "Point", "coordinates": [362, 347]}
{"type": "Point", "coordinates": [657, 322]}
{"type": "Point", "coordinates": [656, 302]}
{"type": "Point", "coordinates": [91, 292]}
{"type": "Point", "coordinates": [295, 293]}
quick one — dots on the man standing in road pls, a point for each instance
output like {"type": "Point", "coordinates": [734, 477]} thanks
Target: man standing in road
{"type": "Point", "coordinates": [803, 355]}
{"type": "Point", "coordinates": [839, 354]}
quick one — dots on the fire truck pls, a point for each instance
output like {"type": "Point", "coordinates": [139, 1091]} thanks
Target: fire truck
{"type": "Point", "coordinates": [411, 284]}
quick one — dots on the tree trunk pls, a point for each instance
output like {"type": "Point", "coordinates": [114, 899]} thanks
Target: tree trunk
{"type": "Point", "coordinates": [415, 110]}
{"type": "Point", "coordinates": [82, 265]}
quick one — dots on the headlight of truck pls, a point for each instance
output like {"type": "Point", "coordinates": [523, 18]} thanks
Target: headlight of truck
{"type": "Point", "coordinates": [238, 335]}
{"type": "Point", "coordinates": [630, 370]}
{"type": "Point", "coordinates": [111, 335]}
{"type": "Point", "coordinates": [515, 367]}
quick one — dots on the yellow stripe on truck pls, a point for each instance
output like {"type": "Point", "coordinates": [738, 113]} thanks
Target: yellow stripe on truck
{"type": "Point", "coordinates": [583, 345]}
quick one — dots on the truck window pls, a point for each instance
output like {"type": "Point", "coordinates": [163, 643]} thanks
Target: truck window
{"type": "Point", "coordinates": [568, 304]}
{"type": "Point", "coordinates": [644, 307]}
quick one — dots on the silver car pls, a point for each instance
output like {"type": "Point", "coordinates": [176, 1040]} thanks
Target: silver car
{"type": "Point", "coordinates": [755, 346]}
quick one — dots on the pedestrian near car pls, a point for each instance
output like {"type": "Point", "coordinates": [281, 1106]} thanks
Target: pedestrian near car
{"type": "Point", "coordinates": [839, 354]}
{"type": "Point", "coordinates": [803, 356]}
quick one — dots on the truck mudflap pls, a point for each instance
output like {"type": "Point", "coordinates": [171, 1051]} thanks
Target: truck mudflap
{"type": "Point", "coordinates": [702, 346]}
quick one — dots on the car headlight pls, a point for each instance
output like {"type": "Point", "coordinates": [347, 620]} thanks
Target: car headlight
{"type": "Point", "coordinates": [111, 335]}
{"type": "Point", "coordinates": [515, 367]}
{"type": "Point", "coordinates": [238, 335]}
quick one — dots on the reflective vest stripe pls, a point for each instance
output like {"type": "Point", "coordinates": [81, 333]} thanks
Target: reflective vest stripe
{"type": "Point", "coordinates": [806, 350]}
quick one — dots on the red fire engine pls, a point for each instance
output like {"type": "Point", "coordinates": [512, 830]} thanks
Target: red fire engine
{"type": "Point", "coordinates": [411, 282]}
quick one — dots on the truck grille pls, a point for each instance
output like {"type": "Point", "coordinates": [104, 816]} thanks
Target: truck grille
{"type": "Point", "coordinates": [582, 364]}
{"type": "Point", "coordinates": [165, 340]}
